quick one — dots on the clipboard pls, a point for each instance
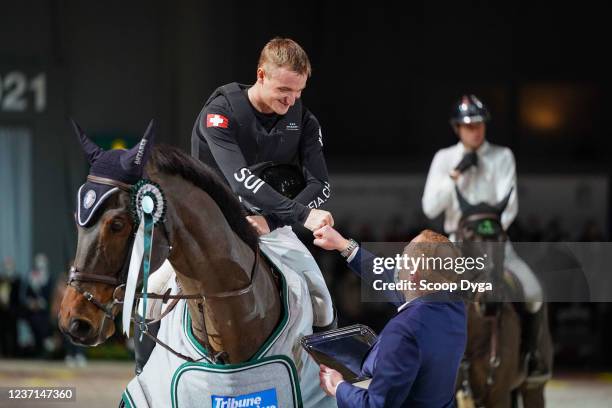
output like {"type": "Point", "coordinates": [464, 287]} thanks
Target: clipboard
{"type": "Point", "coordinates": [343, 349]}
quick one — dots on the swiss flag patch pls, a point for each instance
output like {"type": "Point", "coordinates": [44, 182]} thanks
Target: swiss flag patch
{"type": "Point", "coordinates": [216, 120]}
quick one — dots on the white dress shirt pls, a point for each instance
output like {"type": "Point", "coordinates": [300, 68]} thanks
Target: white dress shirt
{"type": "Point", "coordinates": [403, 306]}
{"type": "Point", "coordinates": [488, 182]}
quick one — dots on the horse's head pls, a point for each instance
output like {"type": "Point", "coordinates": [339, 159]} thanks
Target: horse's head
{"type": "Point", "coordinates": [105, 235]}
{"type": "Point", "coordinates": [482, 221]}
{"type": "Point", "coordinates": [481, 231]}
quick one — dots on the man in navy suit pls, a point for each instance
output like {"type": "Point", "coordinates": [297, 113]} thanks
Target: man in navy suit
{"type": "Point", "coordinates": [416, 358]}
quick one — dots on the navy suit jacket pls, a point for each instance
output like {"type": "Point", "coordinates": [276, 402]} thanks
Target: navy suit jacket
{"type": "Point", "coordinates": [415, 361]}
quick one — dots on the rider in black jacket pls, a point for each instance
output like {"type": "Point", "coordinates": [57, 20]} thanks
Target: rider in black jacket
{"type": "Point", "coordinates": [246, 131]}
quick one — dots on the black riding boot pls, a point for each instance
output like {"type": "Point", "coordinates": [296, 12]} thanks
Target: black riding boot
{"type": "Point", "coordinates": [537, 366]}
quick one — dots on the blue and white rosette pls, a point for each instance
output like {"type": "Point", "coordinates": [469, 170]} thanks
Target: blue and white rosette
{"type": "Point", "coordinates": [148, 208]}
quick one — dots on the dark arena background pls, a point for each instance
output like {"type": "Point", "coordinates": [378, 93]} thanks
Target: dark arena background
{"type": "Point", "coordinates": [384, 79]}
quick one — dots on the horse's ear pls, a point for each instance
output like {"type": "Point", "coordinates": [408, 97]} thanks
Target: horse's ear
{"type": "Point", "coordinates": [91, 150]}
{"type": "Point", "coordinates": [501, 206]}
{"type": "Point", "coordinates": [138, 155]}
{"type": "Point", "coordinates": [464, 205]}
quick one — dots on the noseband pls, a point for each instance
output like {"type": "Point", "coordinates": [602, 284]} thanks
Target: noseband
{"type": "Point", "coordinates": [106, 308]}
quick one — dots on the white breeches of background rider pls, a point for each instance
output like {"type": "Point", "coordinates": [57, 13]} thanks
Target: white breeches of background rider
{"type": "Point", "coordinates": [282, 245]}
{"type": "Point", "coordinates": [531, 286]}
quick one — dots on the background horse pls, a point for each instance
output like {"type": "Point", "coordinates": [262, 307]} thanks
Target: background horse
{"type": "Point", "coordinates": [494, 370]}
{"type": "Point", "coordinates": [236, 302]}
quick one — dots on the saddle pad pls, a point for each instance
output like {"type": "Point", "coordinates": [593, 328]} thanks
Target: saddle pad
{"type": "Point", "coordinates": [152, 387]}
{"type": "Point", "coordinates": [269, 382]}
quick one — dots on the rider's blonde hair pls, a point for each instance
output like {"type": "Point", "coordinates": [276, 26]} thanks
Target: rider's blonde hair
{"type": "Point", "coordinates": [286, 53]}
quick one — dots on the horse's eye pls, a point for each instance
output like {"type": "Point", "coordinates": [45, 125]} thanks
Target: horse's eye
{"type": "Point", "coordinates": [116, 225]}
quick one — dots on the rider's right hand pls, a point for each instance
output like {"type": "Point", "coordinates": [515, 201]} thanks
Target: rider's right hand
{"type": "Point", "coordinates": [469, 159]}
{"type": "Point", "coordinates": [318, 219]}
{"type": "Point", "coordinates": [454, 174]}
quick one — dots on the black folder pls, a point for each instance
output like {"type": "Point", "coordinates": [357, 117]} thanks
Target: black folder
{"type": "Point", "coordinates": [342, 349]}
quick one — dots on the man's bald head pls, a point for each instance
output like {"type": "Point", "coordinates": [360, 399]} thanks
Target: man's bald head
{"type": "Point", "coordinates": [429, 236]}
{"type": "Point", "coordinates": [430, 244]}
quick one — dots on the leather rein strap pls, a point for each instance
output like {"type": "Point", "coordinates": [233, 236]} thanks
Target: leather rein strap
{"type": "Point", "coordinates": [215, 357]}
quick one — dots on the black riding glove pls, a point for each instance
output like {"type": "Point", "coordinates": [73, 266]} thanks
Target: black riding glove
{"type": "Point", "coordinates": [469, 159]}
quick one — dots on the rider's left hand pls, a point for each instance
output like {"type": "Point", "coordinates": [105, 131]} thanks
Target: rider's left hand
{"type": "Point", "coordinates": [259, 223]}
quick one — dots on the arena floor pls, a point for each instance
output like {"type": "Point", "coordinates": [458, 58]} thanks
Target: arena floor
{"type": "Point", "coordinates": [100, 384]}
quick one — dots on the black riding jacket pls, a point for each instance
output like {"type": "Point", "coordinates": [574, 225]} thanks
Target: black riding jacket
{"type": "Point", "coordinates": [230, 135]}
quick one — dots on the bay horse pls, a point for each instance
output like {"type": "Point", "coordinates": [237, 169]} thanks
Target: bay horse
{"type": "Point", "coordinates": [494, 370]}
{"type": "Point", "coordinates": [235, 303]}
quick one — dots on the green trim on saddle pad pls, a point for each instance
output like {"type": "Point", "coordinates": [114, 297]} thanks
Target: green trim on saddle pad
{"type": "Point", "coordinates": [188, 331]}
{"type": "Point", "coordinates": [127, 398]}
{"type": "Point", "coordinates": [234, 368]}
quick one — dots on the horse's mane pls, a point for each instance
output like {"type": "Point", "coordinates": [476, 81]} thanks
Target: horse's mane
{"type": "Point", "coordinates": [170, 160]}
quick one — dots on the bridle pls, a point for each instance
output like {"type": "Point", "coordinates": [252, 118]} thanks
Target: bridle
{"type": "Point", "coordinates": [118, 280]}
{"type": "Point", "coordinates": [107, 308]}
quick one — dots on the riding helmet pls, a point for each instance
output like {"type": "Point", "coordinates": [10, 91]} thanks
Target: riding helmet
{"type": "Point", "coordinates": [469, 109]}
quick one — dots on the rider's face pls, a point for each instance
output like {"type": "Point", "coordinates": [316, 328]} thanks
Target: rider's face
{"type": "Point", "coordinates": [280, 88]}
{"type": "Point", "coordinates": [472, 135]}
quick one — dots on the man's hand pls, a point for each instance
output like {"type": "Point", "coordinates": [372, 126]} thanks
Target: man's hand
{"type": "Point", "coordinates": [330, 379]}
{"type": "Point", "coordinates": [259, 223]}
{"type": "Point", "coordinates": [330, 239]}
{"type": "Point", "coordinates": [318, 218]}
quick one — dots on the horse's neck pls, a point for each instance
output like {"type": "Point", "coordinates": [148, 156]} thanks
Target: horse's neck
{"type": "Point", "coordinates": [210, 259]}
